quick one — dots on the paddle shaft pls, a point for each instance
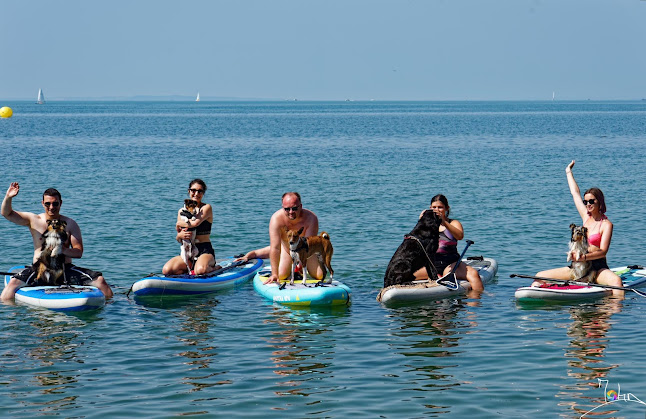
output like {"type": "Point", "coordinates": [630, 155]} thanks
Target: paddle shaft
{"type": "Point", "coordinates": [585, 284]}
{"type": "Point", "coordinates": [469, 243]}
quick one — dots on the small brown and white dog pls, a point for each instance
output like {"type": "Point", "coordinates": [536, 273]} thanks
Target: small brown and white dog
{"type": "Point", "coordinates": [189, 250]}
{"type": "Point", "coordinates": [579, 271]}
{"type": "Point", "coordinates": [50, 265]}
{"type": "Point", "coordinates": [301, 248]}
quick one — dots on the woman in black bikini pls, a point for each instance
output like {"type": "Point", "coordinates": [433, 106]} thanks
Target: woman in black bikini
{"type": "Point", "coordinates": [447, 253]}
{"type": "Point", "coordinates": [592, 210]}
{"type": "Point", "coordinates": [204, 219]}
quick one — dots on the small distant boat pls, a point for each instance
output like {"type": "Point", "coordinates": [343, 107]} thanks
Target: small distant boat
{"type": "Point", "coordinates": [41, 97]}
{"type": "Point", "coordinates": [552, 95]}
{"type": "Point", "coordinates": [198, 97]}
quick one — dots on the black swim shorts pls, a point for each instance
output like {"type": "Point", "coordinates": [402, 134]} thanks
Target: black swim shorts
{"type": "Point", "coordinates": [204, 248]}
{"type": "Point", "coordinates": [442, 260]}
{"type": "Point", "coordinates": [74, 275]}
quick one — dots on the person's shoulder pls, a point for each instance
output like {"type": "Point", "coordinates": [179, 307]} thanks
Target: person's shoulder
{"type": "Point", "coordinates": [205, 208]}
{"type": "Point", "coordinates": [310, 214]}
{"type": "Point", "coordinates": [276, 218]}
{"type": "Point", "coordinates": [70, 222]}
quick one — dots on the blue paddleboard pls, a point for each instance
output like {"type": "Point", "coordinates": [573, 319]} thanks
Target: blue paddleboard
{"type": "Point", "coordinates": [231, 274]}
{"type": "Point", "coordinates": [59, 298]}
{"type": "Point", "coordinates": [299, 294]}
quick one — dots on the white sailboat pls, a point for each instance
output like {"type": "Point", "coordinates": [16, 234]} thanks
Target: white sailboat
{"type": "Point", "coordinates": [552, 95]}
{"type": "Point", "coordinates": [41, 97]}
{"type": "Point", "coordinates": [198, 97]}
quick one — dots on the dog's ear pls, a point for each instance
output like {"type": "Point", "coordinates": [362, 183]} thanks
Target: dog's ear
{"type": "Point", "coordinates": [300, 231]}
{"type": "Point", "coordinates": [572, 226]}
{"type": "Point", "coordinates": [585, 231]}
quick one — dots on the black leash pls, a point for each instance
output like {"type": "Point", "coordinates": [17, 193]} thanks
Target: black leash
{"type": "Point", "coordinates": [430, 262]}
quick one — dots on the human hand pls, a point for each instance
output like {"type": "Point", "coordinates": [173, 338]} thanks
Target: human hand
{"type": "Point", "coordinates": [440, 213]}
{"type": "Point", "coordinates": [185, 234]}
{"type": "Point", "coordinates": [272, 278]}
{"type": "Point", "coordinates": [569, 167]}
{"type": "Point", "coordinates": [244, 258]}
{"type": "Point", "coordinates": [13, 190]}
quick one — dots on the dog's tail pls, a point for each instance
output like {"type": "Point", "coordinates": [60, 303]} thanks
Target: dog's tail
{"type": "Point", "coordinates": [325, 235]}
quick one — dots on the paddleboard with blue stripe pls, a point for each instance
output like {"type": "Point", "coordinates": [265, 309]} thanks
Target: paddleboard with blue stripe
{"type": "Point", "coordinates": [63, 298]}
{"type": "Point", "coordinates": [230, 275]}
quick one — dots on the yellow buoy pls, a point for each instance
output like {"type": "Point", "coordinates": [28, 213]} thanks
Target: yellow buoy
{"type": "Point", "coordinates": [6, 112]}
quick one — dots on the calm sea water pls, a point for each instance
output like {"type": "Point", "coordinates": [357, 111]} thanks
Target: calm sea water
{"type": "Point", "coordinates": [367, 170]}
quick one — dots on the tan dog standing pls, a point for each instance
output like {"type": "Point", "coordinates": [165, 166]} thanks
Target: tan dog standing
{"type": "Point", "coordinates": [301, 248]}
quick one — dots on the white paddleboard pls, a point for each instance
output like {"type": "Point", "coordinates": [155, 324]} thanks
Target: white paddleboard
{"type": "Point", "coordinates": [633, 276]}
{"type": "Point", "coordinates": [429, 291]}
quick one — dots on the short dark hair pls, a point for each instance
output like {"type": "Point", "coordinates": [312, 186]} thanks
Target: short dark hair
{"type": "Point", "coordinates": [296, 194]}
{"type": "Point", "coordinates": [199, 182]}
{"type": "Point", "coordinates": [599, 195]}
{"type": "Point", "coordinates": [52, 192]}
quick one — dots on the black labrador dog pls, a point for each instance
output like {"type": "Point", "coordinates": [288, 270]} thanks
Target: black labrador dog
{"type": "Point", "coordinates": [416, 251]}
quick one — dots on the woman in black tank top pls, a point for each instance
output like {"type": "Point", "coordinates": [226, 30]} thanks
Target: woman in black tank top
{"type": "Point", "coordinates": [205, 262]}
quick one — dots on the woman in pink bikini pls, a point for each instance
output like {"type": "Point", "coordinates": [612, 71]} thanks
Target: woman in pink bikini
{"type": "Point", "coordinates": [592, 210]}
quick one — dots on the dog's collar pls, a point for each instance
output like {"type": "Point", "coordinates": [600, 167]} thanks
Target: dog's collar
{"type": "Point", "coordinates": [302, 244]}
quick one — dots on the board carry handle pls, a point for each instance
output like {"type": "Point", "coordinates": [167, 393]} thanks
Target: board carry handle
{"type": "Point", "coordinates": [585, 284]}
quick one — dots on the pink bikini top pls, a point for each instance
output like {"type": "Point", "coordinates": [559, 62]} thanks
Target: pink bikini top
{"type": "Point", "coordinates": [595, 239]}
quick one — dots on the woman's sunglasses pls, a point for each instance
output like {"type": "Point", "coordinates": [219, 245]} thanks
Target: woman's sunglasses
{"type": "Point", "coordinates": [589, 201]}
{"type": "Point", "coordinates": [196, 190]}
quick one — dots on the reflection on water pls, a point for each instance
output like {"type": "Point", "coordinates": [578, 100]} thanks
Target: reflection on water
{"type": "Point", "coordinates": [302, 347]}
{"type": "Point", "coordinates": [586, 353]}
{"type": "Point", "coordinates": [428, 339]}
{"type": "Point", "coordinates": [195, 319]}
{"type": "Point", "coordinates": [50, 352]}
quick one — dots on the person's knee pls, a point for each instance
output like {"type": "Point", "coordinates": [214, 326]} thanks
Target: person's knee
{"type": "Point", "coordinates": [167, 269]}
{"type": "Point", "coordinates": [102, 285]}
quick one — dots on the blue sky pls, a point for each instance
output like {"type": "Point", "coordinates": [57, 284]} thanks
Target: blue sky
{"type": "Point", "coordinates": [325, 50]}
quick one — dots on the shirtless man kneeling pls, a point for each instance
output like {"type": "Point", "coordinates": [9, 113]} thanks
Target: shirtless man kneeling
{"type": "Point", "coordinates": [292, 216]}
